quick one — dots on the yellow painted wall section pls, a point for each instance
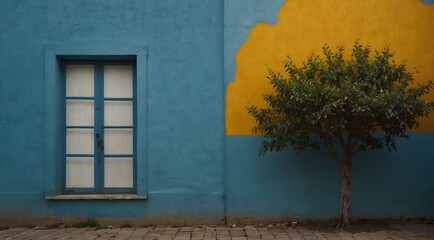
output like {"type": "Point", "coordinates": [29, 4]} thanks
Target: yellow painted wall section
{"type": "Point", "coordinates": [305, 25]}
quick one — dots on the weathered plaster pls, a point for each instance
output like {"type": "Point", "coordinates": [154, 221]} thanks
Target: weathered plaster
{"type": "Point", "coordinates": [304, 26]}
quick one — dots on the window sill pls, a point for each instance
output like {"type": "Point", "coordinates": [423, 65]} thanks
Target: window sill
{"type": "Point", "coordinates": [97, 197]}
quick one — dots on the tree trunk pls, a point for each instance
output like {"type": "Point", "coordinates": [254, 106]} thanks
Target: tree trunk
{"type": "Point", "coordinates": [345, 194]}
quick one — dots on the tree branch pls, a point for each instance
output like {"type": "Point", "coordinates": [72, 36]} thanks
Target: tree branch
{"type": "Point", "coordinates": [332, 152]}
{"type": "Point", "coordinates": [341, 140]}
{"type": "Point", "coordinates": [354, 145]}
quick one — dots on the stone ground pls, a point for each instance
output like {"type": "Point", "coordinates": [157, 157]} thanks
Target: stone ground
{"type": "Point", "coordinates": [396, 231]}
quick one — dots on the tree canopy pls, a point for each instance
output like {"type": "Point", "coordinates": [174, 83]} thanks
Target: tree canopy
{"type": "Point", "coordinates": [329, 99]}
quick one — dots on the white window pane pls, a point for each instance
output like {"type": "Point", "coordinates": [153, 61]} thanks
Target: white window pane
{"type": "Point", "coordinates": [79, 172]}
{"type": "Point", "coordinates": [79, 80]}
{"type": "Point", "coordinates": [118, 113]}
{"type": "Point", "coordinates": [79, 113]}
{"type": "Point", "coordinates": [118, 172]}
{"type": "Point", "coordinates": [118, 141]}
{"type": "Point", "coordinates": [79, 141]}
{"type": "Point", "coordinates": [118, 81]}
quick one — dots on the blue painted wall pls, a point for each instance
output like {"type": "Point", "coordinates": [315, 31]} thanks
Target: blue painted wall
{"type": "Point", "coordinates": [280, 185]}
{"type": "Point", "coordinates": [185, 111]}
{"type": "Point", "coordinates": [194, 172]}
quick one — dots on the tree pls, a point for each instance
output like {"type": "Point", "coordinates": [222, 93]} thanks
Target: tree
{"type": "Point", "coordinates": [346, 105]}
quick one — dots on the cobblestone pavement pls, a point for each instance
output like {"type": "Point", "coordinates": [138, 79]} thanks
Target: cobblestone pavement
{"type": "Point", "coordinates": [216, 233]}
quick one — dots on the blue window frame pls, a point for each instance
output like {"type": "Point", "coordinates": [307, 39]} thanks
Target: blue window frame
{"type": "Point", "coordinates": [78, 162]}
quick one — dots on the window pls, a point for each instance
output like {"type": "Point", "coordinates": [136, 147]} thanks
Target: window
{"type": "Point", "coordinates": [99, 126]}
{"type": "Point", "coordinates": [56, 58]}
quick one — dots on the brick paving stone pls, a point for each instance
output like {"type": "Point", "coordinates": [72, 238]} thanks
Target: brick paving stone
{"type": "Point", "coordinates": [136, 237]}
{"type": "Point", "coordinates": [344, 234]}
{"type": "Point", "coordinates": [280, 234]}
{"type": "Point", "coordinates": [209, 238]}
{"type": "Point", "coordinates": [223, 232]}
{"type": "Point", "coordinates": [295, 236]}
{"type": "Point", "coordinates": [363, 238]}
{"type": "Point", "coordinates": [126, 231]}
{"type": "Point", "coordinates": [106, 236]}
{"type": "Point", "coordinates": [347, 238]}
{"type": "Point", "coordinates": [239, 238]}
{"type": "Point", "coordinates": [140, 232]}
{"type": "Point", "coordinates": [237, 233]}
{"type": "Point", "coordinates": [150, 237]}
{"type": "Point", "coordinates": [90, 235]}
{"type": "Point", "coordinates": [330, 235]}
{"type": "Point", "coordinates": [153, 234]}
{"type": "Point", "coordinates": [250, 228]}
{"type": "Point", "coordinates": [169, 233]}
{"type": "Point", "coordinates": [211, 233]}
{"type": "Point", "coordinates": [186, 229]}
{"type": "Point", "coordinates": [183, 235]}
{"type": "Point", "coordinates": [68, 233]}
{"type": "Point", "coordinates": [280, 237]}
{"type": "Point", "coordinates": [223, 238]}
{"type": "Point", "coordinates": [198, 234]}
{"type": "Point", "coordinates": [252, 233]}
{"type": "Point", "coordinates": [181, 238]}
{"type": "Point", "coordinates": [165, 237]}
{"type": "Point", "coordinates": [114, 231]}
{"type": "Point", "coordinates": [222, 228]}
{"type": "Point", "coordinates": [318, 234]}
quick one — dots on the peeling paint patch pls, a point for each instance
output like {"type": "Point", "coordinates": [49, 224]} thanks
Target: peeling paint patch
{"type": "Point", "coordinates": [240, 17]}
{"type": "Point", "coordinates": [428, 1]}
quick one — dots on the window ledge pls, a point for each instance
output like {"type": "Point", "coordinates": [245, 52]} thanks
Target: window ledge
{"type": "Point", "coordinates": [97, 197]}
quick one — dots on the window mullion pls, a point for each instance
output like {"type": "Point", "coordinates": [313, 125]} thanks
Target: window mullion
{"type": "Point", "coordinates": [101, 125]}
{"type": "Point", "coordinates": [99, 130]}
